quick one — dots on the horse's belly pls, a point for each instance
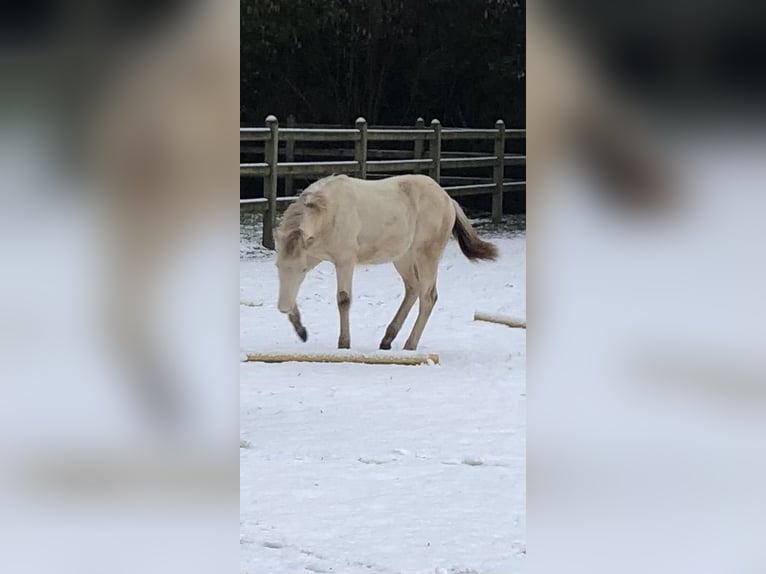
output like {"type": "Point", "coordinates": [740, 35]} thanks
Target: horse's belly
{"type": "Point", "coordinates": [384, 249]}
{"type": "Point", "coordinates": [387, 231]}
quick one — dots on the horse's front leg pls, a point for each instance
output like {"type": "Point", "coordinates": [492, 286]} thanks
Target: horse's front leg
{"type": "Point", "coordinates": [345, 274]}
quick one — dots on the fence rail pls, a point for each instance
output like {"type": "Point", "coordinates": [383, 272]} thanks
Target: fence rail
{"type": "Point", "coordinates": [432, 162]}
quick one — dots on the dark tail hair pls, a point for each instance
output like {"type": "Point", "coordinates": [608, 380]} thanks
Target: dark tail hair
{"type": "Point", "coordinates": [471, 244]}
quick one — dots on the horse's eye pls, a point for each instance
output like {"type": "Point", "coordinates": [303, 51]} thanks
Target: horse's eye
{"type": "Point", "coordinates": [305, 269]}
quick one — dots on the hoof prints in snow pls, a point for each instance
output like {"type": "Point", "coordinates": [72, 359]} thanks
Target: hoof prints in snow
{"type": "Point", "coordinates": [385, 459]}
{"type": "Point", "coordinates": [311, 567]}
{"type": "Point", "coordinates": [365, 460]}
{"type": "Point", "coordinates": [475, 461]}
{"type": "Point", "coordinates": [468, 460]}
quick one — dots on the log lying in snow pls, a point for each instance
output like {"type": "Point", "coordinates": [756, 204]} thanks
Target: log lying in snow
{"type": "Point", "coordinates": [344, 358]}
{"type": "Point", "coordinates": [501, 319]}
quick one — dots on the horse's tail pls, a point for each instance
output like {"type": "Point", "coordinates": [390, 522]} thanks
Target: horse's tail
{"type": "Point", "coordinates": [471, 244]}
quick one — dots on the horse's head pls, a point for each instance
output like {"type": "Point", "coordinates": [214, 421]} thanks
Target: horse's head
{"type": "Point", "coordinates": [292, 263]}
{"type": "Point", "coordinates": [302, 220]}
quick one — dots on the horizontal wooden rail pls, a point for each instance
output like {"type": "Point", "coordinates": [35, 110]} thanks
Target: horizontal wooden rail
{"type": "Point", "coordinates": [254, 134]}
{"type": "Point", "coordinates": [485, 161]}
{"type": "Point", "coordinates": [394, 165]}
{"type": "Point", "coordinates": [317, 168]}
{"type": "Point", "coordinates": [376, 166]}
{"type": "Point", "coordinates": [482, 188]}
{"type": "Point", "coordinates": [399, 135]}
{"type": "Point", "coordinates": [380, 154]}
{"type": "Point", "coordinates": [254, 169]}
{"type": "Point", "coordinates": [452, 163]}
{"type": "Point", "coordinates": [374, 134]}
{"type": "Point", "coordinates": [516, 160]}
{"type": "Point", "coordinates": [260, 204]}
{"type": "Point", "coordinates": [310, 134]}
{"type": "Point", "coordinates": [453, 134]}
{"type": "Point", "coordinates": [473, 189]}
{"type": "Point", "coordinates": [341, 153]}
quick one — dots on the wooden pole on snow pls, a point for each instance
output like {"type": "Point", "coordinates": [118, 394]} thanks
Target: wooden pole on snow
{"type": "Point", "coordinates": [343, 358]}
{"type": "Point", "coordinates": [501, 319]}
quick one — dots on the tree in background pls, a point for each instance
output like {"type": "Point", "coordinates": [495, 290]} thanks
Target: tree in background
{"type": "Point", "coordinates": [330, 61]}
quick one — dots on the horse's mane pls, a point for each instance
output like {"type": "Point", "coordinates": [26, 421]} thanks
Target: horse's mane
{"type": "Point", "coordinates": [293, 217]}
{"type": "Point", "coordinates": [290, 230]}
{"type": "Point", "coordinates": [311, 198]}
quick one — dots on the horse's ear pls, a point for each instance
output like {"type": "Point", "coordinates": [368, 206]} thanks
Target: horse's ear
{"type": "Point", "coordinates": [292, 242]}
{"type": "Point", "coordinates": [316, 200]}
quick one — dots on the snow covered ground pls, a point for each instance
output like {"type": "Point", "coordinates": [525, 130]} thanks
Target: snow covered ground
{"type": "Point", "coordinates": [385, 469]}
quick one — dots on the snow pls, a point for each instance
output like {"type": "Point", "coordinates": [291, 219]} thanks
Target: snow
{"type": "Point", "coordinates": [384, 468]}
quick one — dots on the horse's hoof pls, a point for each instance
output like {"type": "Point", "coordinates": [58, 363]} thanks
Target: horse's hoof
{"type": "Point", "coordinates": [303, 334]}
{"type": "Point", "coordinates": [385, 345]}
{"type": "Point", "coordinates": [344, 344]}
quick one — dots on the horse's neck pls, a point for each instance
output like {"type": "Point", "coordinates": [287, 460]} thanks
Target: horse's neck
{"type": "Point", "coordinates": [312, 262]}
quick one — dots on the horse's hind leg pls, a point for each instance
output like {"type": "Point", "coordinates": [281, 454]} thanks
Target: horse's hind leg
{"type": "Point", "coordinates": [427, 269]}
{"type": "Point", "coordinates": [408, 271]}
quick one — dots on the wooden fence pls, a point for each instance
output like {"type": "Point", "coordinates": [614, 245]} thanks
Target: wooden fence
{"type": "Point", "coordinates": [432, 162]}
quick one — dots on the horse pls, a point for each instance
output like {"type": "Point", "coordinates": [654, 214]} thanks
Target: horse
{"type": "Point", "coordinates": [406, 220]}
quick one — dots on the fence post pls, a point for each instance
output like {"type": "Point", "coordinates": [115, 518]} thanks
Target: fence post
{"type": "Point", "coordinates": [497, 195]}
{"type": "Point", "coordinates": [290, 156]}
{"type": "Point", "coordinates": [436, 150]}
{"type": "Point", "coordinates": [360, 149]}
{"type": "Point", "coordinates": [271, 157]}
{"type": "Point", "coordinates": [419, 125]}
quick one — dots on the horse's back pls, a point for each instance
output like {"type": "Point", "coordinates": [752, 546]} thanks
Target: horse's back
{"type": "Point", "coordinates": [414, 192]}
{"type": "Point", "coordinates": [434, 213]}
{"type": "Point", "coordinates": [400, 212]}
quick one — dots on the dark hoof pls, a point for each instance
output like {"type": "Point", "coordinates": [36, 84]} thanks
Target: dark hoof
{"type": "Point", "coordinates": [344, 344]}
{"type": "Point", "coordinates": [385, 345]}
{"type": "Point", "coordinates": [303, 334]}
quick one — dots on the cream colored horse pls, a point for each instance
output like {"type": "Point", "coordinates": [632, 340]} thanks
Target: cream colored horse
{"type": "Point", "coordinates": [406, 220]}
